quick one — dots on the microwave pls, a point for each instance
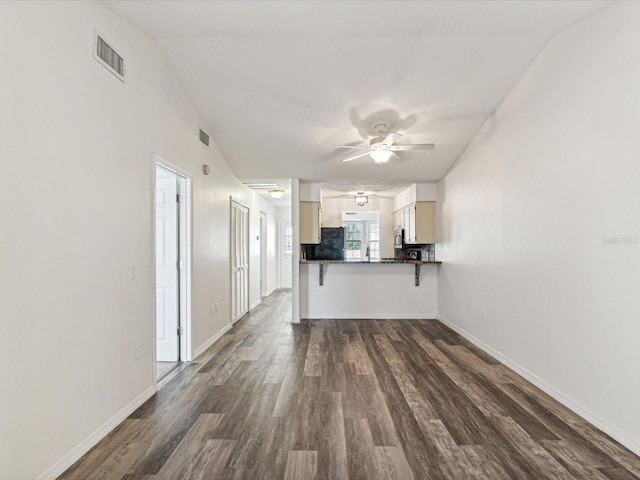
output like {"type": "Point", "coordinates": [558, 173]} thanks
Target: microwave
{"type": "Point", "coordinates": [398, 238]}
{"type": "Point", "coordinates": [414, 254]}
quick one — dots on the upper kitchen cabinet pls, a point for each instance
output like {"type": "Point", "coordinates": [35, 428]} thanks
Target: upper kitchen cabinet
{"type": "Point", "coordinates": [310, 222]}
{"type": "Point", "coordinates": [420, 226]}
{"type": "Point", "coordinates": [415, 213]}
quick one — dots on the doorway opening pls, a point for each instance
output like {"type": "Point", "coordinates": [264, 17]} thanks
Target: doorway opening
{"type": "Point", "coordinates": [172, 262]}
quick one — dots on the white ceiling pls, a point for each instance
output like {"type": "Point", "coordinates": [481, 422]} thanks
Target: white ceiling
{"type": "Point", "coordinates": [280, 183]}
{"type": "Point", "coordinates": [279, 84]}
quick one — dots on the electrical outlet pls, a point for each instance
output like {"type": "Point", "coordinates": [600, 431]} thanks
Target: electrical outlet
{"type": "Point", "coordinates": [216, 308]}
{"type": "Point", "coordinates": [484, 315]}
{"type": "Point", "coordinates": [138, 351]}
{"type": "Point", "coordinates": [213, 310]}
{"type": "Point", "coordinates": [132, 271]}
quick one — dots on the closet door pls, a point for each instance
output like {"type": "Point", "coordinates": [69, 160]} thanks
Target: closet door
{"type": "Point", "coordinates": [239, 260]}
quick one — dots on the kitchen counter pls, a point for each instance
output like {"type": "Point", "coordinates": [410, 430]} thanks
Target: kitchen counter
{"type": "Point", "coordinates": [383, 261]}
{"type": "Point", "coordinates": [377, 262]}
{"type": "Point", "coordinates": [384, 289]}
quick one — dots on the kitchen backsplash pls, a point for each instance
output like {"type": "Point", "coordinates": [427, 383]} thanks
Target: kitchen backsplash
{"type": "Point", "coordinates": [427, 252]}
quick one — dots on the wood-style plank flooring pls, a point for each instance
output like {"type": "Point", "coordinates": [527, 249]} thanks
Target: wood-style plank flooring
{"type": "Point", "coordinates": [350, 399]}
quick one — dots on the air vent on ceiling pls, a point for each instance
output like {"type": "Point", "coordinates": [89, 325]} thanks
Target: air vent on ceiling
{"type": "Point", "coordinates": [261, 186]}
{"type": "Point", "coordinates": [108, 57]}
{"type": "Point", "coordinates": [204, 137]}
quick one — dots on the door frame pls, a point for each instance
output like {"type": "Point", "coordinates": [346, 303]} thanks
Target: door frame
{"type": "Point", "coordinates": [184, 251]}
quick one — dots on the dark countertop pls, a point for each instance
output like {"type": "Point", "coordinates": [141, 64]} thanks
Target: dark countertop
{"type": "Point", "coordinates": [375, 262]}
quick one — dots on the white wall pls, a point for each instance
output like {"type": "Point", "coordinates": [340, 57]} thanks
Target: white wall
{"type": "Point", "coordinates": [76, 147]}
{"type": "Point", "coordinates": [526, 215]}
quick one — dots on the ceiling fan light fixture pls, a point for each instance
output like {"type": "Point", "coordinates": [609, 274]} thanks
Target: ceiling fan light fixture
{"type": "Point", "coordinates": [276, 193]}
{"type": "Point", "coordinates": [381, 156]}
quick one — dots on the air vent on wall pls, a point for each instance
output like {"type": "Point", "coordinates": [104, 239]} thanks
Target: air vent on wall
{"type": "Point", "coordinates": [204, 137]}
{"type": "Point", "coordinates": [108, 57]}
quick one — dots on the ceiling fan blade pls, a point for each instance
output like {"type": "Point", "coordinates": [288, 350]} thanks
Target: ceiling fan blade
{"type": "Point", "coordinates": [415, 146]}
{"type": "Point", "coordinates": [351, 146]}
{"type": "Point", "coordinates": [357, 156]}
{"type": "Point", "coordinates": [391, 138]}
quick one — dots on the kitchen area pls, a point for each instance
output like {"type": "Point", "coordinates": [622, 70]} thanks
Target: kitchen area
{"type": "Point", "coordinates": [368, 255]}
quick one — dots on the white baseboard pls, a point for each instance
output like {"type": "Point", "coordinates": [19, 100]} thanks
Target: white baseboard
{"type": "Point", "coordinates": [369, 316]}
{"type": "Point", "coordinates": [631, 443]}
{"type": "Point", "coordinates": [74, 455]}
{"type": "Point", "coordinates": [255, 304]}
{"type": "Point", "coordinates": [202, 348]}
{"type": "Point", "coordinates": [270, 292]}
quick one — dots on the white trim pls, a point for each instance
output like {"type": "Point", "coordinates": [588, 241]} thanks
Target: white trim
{"type": "Point", "coordinates": [186, 250]}
{"type": "Point", "coordinates": [255, 305]}
{"type": "Point", "coordinates": [239, 202]}
{"type": "Point", "coordinates": [270, 292]}
{"type": "Point", "coordinates": [295, 245]}
{"type": "Point", "coordinates": [631, 443]}
{"type": "Point", "coordinates": [377, 316]}
{"type": "Point", "coordinates": [203, 348]}
{"type": "Point", "coordinates": [88, 443]}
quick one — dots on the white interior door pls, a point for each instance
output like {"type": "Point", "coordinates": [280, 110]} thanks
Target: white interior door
{"type": "Point", "coordinates": [167, 292]}
{"type": "Point", "coordinates": [239, 260]}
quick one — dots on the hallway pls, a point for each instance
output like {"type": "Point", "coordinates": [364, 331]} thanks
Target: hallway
{"type": "Point", "coordinates": [357, 399]}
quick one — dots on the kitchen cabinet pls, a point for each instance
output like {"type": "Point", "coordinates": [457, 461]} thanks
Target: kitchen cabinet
{"type": "Point", "coordinates": [401, 218]}
{"type": "Point", "coordinates": [418, 222]}
{"type": "Point", "coordinates": [398, 220]}
{"type": "Point", "coordinates": [310, 222]}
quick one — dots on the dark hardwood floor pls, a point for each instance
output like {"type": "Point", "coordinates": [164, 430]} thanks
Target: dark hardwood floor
{"type": "Point", "coordinates": [350, 399]}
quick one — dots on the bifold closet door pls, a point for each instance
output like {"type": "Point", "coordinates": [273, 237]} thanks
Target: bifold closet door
{"type": "Point", "coordinates": [239, 260]}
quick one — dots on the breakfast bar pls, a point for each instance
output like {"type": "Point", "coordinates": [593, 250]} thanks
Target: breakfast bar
{"type": "Point", "coordinates": [324, 263]}
{"type": "Point", "coordinates": [377, 289]}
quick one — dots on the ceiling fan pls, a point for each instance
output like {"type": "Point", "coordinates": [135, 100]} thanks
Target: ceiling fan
{"type": "Point", "coordinates": [382, 147]}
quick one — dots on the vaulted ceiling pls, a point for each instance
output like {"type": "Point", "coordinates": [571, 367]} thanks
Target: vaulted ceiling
{"type": "Point", "coordinates": [280, 84]}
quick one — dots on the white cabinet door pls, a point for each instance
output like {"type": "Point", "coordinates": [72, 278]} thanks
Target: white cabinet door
{"type": "Point", "coordinates": [411, 221]}
{"type": "Point", "coordinates": [167, 303]}
{"type": "Point", "coordinates": [425, 222]}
